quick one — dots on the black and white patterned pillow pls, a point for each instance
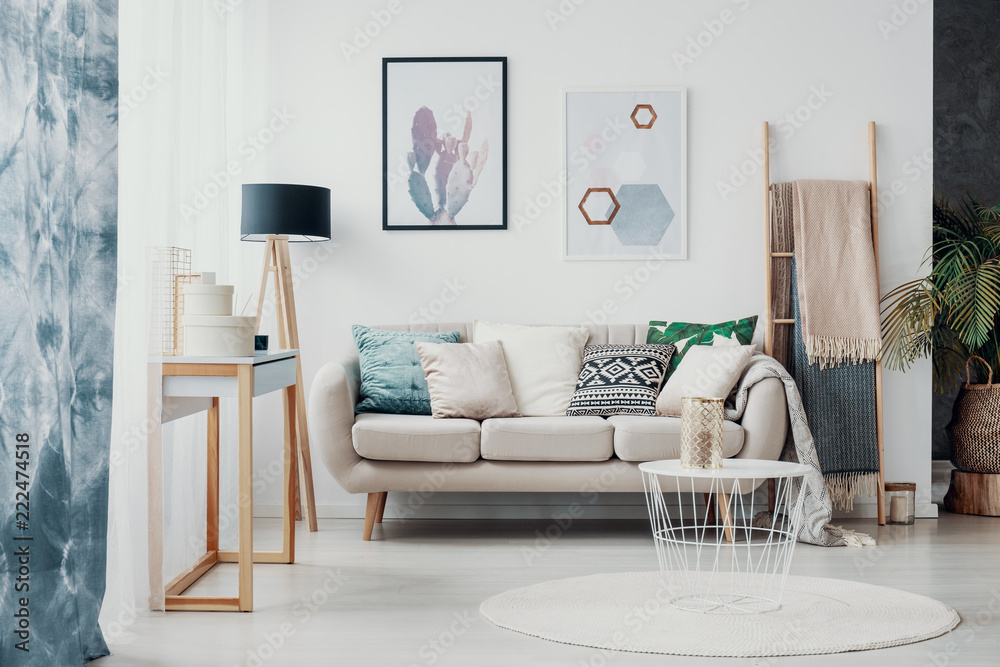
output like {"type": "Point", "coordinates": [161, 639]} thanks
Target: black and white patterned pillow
{"type": "Point", "coordinates": [620, 379]}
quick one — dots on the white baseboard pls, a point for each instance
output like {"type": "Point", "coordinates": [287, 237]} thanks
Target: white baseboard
{"type": "Point", "coordinates": [496, 512]}
{"type": "Point", "coordinates": [870, 511]}
{"type": "Point", "coordinates": [542, 512]}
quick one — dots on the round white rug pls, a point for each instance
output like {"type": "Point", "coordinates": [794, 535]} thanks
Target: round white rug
{"type": "Point", "coordinates": [631, 611]}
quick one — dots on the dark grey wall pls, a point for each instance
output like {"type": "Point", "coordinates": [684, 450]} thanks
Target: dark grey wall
{"type": "Point", "coordinates": [966, 122]}
{"type": "Point", "coordinates": [967, 99]}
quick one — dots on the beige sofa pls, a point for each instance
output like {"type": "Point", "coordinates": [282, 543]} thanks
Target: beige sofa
{"type": "Point", "coordinates": [378, 453]}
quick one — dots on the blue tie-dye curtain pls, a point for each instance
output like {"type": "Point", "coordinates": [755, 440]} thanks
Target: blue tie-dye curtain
{"type": "Point", "coordinates": [58, 238]}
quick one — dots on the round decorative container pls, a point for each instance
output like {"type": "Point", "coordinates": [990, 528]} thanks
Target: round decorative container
{"type": "Point", "coordinates": [701, 432]}
{"type": "Point", "coordinates": [208, 299]}
{"type": "Point", "coordinates": [219, 335]}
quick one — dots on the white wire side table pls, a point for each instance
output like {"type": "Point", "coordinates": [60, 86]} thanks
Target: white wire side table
{"type": "Point", "coordinates": [730, 561]}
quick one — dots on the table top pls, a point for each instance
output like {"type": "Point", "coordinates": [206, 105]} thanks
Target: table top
{"type": "Point", "coordinates": [272, 355]}
{"type": "Point", "coordinates": [731, 469]}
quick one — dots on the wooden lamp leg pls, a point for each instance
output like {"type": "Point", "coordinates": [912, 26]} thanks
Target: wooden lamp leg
{"type": "Point", "coordinates": [277, 260]}
{"type": "Point", "coordinates": [288, 308]}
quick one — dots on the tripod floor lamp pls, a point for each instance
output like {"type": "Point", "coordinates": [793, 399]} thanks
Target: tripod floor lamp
{"type": "Point", "coordinates": [277, 214]}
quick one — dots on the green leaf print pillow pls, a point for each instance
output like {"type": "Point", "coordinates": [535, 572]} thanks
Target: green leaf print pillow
{"type": "Point", "coordinates": [682, 335]}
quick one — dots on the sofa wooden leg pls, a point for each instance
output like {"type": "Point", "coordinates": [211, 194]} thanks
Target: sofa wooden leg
{"type": "Point", "coordinates": [371, 511]}
{"type": "Point", "coordinates": [727, 516]}
{"type": "Point", "coordinates": [709, 509]}
{"type": "Point", "coordinates": [383, 497]}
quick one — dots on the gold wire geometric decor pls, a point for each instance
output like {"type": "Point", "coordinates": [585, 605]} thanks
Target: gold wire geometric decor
{"type": "Point", "coordinates": [170, 269]}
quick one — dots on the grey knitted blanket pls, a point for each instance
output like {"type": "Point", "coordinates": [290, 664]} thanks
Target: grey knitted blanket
{"type": "Point", "coordinates": [800, 447]}
{"type": "Point", "coordinates": [840, 402]}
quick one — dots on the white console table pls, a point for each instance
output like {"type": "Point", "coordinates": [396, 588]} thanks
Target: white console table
{"type": "Point", "coordinates": [188, 385]}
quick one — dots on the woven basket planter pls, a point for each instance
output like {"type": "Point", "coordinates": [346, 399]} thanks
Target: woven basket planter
{"type": "Point", "coordinates": [974, 430]}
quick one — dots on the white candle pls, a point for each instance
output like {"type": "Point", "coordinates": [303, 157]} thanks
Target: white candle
{"type": "Point", "coordinates": [897, 509]}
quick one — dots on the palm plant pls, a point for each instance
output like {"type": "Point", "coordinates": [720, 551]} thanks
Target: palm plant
{"type": "Point", "coordinates": [951, 313]}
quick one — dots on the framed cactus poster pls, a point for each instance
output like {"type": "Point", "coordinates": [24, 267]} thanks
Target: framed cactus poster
{"type": "Point", "coordinates": [625, 179]}
{"type": "Point", "coordinates": [444, 143]}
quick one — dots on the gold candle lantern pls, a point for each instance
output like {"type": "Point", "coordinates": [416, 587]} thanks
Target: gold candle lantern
{"type": "Point", "coordinates": [701, 432]}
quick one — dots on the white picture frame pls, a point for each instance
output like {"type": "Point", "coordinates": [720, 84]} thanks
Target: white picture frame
{"type": "Point", "coordinates": [634, 137]}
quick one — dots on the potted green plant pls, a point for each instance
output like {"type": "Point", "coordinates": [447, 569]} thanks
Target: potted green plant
{"type": "Point", "coordinates": [953, 311]}
{"type": "Point", "coordinates": [952, 315]}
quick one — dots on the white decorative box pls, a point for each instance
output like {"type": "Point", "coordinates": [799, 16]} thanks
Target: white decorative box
{"type": "Point", "coordinates": [219, 335]}
{"type": "Point", "coordinates": [208, 300]}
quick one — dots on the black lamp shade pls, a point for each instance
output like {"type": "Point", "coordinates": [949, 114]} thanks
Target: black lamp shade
{"type": "Point", "coordinates": [301, 212]}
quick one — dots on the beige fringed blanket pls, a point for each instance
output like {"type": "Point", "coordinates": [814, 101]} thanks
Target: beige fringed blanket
{"type": "Point", "coordinates": [835, 268]}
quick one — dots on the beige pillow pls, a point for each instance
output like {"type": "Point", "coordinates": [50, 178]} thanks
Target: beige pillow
{"type": "Point", "coordinates": [467, 380]}
{"type": "Point", "coordinates": [706, 371]}
{"type": "Point", "coordinates": [543, 362]}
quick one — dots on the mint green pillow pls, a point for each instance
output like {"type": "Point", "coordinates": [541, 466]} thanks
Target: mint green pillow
{"type": "Point", "coordinates": [392, 379]}
{"type": "Point", "coordinates": [682, 335]}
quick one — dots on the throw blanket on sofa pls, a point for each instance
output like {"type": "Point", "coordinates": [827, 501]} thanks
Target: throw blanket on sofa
{"type": "Point", "coordinates": [838, 283]}
{"type": "Point", "coordinates": [818, 509]}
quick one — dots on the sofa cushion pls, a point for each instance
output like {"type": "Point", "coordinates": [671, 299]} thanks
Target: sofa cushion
{"type": "Point", "coordinates": [416, 438]}
{"type": "Point", "coordinates": [658, 438]}
{"type": "Point", "coordinates": [547, 439]}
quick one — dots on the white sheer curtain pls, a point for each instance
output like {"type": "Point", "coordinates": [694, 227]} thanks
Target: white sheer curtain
{"type": "Point", "coordinates": [188, 89]}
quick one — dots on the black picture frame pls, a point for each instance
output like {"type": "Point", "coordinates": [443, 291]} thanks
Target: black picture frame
{"type": "Point", "coordinates": [435, 194]}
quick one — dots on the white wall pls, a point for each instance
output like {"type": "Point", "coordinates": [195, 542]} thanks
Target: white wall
{"type": "Point", "coordinates": [764, 65]}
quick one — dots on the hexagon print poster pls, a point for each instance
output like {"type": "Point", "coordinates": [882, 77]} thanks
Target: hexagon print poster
{"type": "Point", "coordinates": [626, 174]}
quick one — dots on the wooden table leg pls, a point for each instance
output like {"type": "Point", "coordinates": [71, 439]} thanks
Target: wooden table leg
{"type": "Point", "coordinates": [709, 509]}
{"type": "Point", "coordinates": [245, 376]}
{"type": "Point", "coordinates": [212, 519]}
{"type": "Point", "coordinates": [291, 465]}
{"type": "Point", "coordinates": [154, 482]}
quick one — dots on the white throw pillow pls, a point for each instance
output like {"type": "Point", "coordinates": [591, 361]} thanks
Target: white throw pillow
{"type": "Point", "coordinates": [543, 363]}
{"type": "Point", "coordinates": [706, 371]}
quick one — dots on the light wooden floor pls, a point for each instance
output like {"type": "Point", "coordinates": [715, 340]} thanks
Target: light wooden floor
{"type": "Point", "coordinates": [410, 597]}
